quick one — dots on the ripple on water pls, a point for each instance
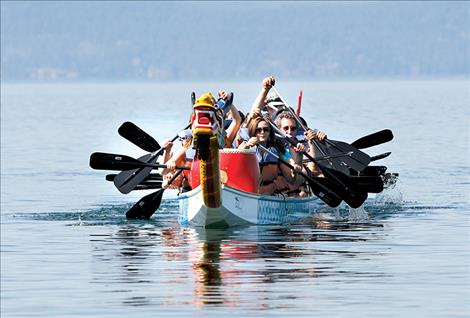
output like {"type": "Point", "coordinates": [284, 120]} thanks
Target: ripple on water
{"type": "Point", "coordinates": [161, 266]}
{"type": "Point", "coordinates": [114, 214]}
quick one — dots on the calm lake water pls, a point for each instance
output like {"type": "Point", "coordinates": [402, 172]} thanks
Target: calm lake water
{"type": "Point", "coordinates": [68, 251]}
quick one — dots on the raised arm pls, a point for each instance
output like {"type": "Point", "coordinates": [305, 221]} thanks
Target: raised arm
{"type": "Point", "coordinates": [232, 130]}
{"type": "Point", "coordinates": [258, 104]}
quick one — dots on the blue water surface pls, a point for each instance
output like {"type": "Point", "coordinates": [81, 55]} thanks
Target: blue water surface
{"type": "Point", "coordinates": [68, 251]}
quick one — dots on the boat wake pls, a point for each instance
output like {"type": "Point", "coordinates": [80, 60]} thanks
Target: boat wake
{"type": "Point", "coordinates": [376, 209]}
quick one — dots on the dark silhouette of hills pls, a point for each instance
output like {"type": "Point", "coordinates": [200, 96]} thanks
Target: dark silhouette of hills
{"type": "Point", "coordinates": [232, 40]}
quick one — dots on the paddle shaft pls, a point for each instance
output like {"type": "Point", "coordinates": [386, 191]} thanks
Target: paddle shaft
{"type": "Point", "coordinates": [323, 192]}
{"type": "Point", "coordinates": [343, 154]}
{"type": "Point", "coordinates": [290, 110]}
{"type": "Point", "coordinates": [126, 180]}
{"type": "Point", "coordinates": [152, 176]}
{"type": "Point", "coordinates": [109, 161]}
{"type": "Point", "coordinates": [157, 185]}
{"type": "Point", "coordinates": [299, 122]}
{"type": "Point", "coordinates": [144, 164]}
{"type": "Point", "coordinates": [146, 206]}
{"type": "Point", "coordinates": [354, 197]}
{"type": "Point", "coordinates": [325, 170]}
{"type": "Point", "coordinates": [305, 128]}
{"type": "Point", "coordinates": [294, 142]}
{"type": "Point", "coordinates": [381, 156]}
{"type": "Point", "coordinates": [360, 164]}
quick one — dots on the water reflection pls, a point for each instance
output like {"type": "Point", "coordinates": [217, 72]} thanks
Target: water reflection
{"type": "Point", "coordinates": [208, 275]}
{"type": "Point", "coordinates": [173, 265]}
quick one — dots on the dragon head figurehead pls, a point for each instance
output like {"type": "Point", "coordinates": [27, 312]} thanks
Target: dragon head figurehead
{"type": "Point", "coordinates": [208, 119]}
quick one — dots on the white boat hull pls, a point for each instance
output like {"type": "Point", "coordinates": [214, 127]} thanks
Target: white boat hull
{"type": "Point", "coordinates": [240, 208]}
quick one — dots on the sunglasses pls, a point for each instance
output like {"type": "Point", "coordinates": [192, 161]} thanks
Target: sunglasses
{"type": "Point", "coordinates": [265, 129]}
{"type": "Point", "coordinates": [292, 128]}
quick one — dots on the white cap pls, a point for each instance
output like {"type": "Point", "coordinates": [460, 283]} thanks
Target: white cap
{"type": "Point", "coordinates": [272, 96]}
{"type": "Point", "coordinates": [275, 105]}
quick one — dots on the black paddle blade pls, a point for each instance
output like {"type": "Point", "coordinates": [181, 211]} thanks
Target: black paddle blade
{"type": "Point", "coordinates": [151, 177]}
{"type": "Point", "coordinates": [354, 159]}
{"type": "Point", "coordinates": [127, 180]}
{"type": "Point", "coordinates": [325, 190]}
{"type": "Point", "coordinates": [193, 98]}
{"type": "Point", "coordinates": [333, 161]}
{"type": "Point", "coordinates": [374, 171]}
{"type": "Point", "coordinates": [138, 137]}
{"type": "Point", "coordinates": [148, 186]}
{"type": "Point", "coordinates": [146, 206]}
{"type": "Point", "coordinates": [110, 161]}
{"type": "Point", "coordinates": [374, 139]}
{"type": "Point", "coordinates": [348, 191]}
{"type": "Point", "coordinates": [381, 156]}
{"type": "Point", "coordinates": [368, 183]}
{"type": "Point", "coordinates": [150, 183]}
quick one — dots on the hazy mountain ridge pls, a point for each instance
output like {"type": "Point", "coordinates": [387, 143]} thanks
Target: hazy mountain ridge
{"type": "Point", "coordinates": [200, 40]}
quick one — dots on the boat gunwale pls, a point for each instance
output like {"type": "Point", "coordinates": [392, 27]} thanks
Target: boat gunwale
{"type": "Point", "coordinates": [189, 194]}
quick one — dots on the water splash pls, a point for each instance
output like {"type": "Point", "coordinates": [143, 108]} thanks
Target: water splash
{"type": "Point", "coordinates": [80, 222]}
{"type": "Point", "coordinates": [391, 194]}
{"type": "Point", "coordinates": [358, 215]}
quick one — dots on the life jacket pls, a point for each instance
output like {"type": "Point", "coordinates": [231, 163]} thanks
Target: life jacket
{"type": "Point", "coordinates": [265, 157]}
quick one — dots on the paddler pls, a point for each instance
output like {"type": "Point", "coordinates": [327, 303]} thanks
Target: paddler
{"type": "Point", "coordinates": [286, 122]}
{"type": "Point", "coordinates": [260, 133]}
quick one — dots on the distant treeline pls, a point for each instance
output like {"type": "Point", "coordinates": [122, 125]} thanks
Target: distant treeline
{"type": "Point", "coordinates": [232, 40]}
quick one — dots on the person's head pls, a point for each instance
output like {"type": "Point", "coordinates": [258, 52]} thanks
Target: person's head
{"type": "Point", "coordinates": [286, 122]}
{"type": "Point", "coordinates": [259, 128]}
{"type": "Point", "coordinates": [272, 103]}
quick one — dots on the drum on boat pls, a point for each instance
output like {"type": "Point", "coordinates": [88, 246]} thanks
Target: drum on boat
{"type": "Point", "coordinates": [239, 169]}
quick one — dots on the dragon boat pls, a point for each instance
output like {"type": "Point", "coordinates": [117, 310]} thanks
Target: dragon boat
{"type": "Point", "coordinates": [228, 197]}
{"type": "Point", "coordinates": [225, 182]}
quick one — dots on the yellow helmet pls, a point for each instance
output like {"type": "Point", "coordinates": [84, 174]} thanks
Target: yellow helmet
{"type": "Point", "coordinates": [205, 100]}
